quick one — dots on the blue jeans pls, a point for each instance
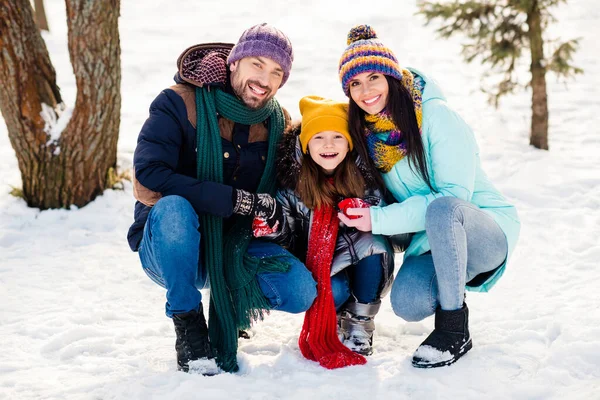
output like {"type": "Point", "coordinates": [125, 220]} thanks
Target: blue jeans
{"type": "Point", "coordinates": [362, 280]}
{"type": "Point", "coordinates": [465, 242]}
{"type": "Point", "coordinates": [169, 253]}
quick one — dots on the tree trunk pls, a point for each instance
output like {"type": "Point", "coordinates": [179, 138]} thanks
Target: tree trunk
{"type": "Point", "coordinates": [40, 15]}
{"type": "Point", "coordinates": [539, 101]}
{"type": "Point", "coordinates": [28, 81]}
{"type": "Point", "coordinates": [73, 168]}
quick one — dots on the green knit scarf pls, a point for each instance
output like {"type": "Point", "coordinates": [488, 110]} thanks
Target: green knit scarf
{"type": "Point", "coordinates": [236, 299]}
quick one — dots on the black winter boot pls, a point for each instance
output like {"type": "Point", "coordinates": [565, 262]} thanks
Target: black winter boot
{"type": "Point", "coordinates": [448, 342]}
{"type": "Point", "coordinates": [192, 342]}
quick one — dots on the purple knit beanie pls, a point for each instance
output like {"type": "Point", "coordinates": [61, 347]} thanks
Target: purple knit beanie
{"type": "Point", "coordinates": [264, 40]}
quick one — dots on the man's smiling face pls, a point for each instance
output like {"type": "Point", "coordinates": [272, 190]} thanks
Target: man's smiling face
{"type": "Point", "coordinates": [255, 80]}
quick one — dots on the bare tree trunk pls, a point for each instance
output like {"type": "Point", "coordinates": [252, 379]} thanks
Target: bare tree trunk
{"type": "Point", "coordinates": [90, 140]}
{"type": "Point", "coordinates": [539, 102]}
{"type": "Point", "coordinates": [28, 80]}
{"type": "Point", "coordinates": [72, 169]}
{"type": "Point", "coordinates": [40, 15]}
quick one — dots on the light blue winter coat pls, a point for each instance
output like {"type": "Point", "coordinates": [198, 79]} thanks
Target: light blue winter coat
{"type": "Point", "coordinates": [455, 170]}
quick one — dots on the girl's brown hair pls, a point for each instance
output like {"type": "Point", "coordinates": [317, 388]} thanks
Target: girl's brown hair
{"type": "Point", "coordinates": [315, 189]}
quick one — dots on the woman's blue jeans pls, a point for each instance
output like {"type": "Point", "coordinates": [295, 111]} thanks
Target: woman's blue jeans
{"type": "Point", "coordinates": [465, 241]}
{"type": "Point", "coordinates": [170, 256]}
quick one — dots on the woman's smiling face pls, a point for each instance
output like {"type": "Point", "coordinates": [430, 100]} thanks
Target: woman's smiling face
{"type": "Point", "coordinates": [369, 91]}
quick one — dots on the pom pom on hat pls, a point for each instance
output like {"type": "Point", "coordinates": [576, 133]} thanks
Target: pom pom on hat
{"type": "Point", "coordinates": [365, 53]}
{"type": "Point", "coordinates": [361, 32]}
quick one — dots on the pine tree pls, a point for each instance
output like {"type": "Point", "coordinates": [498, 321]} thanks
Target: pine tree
{"type": "Point", "coordinates": [63, 161]}
{"type": "Point", "coordinates": [500, 32]}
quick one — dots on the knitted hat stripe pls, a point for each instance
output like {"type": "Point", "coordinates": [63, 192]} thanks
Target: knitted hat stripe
{"type": "Point", "coordinates": [373, 63]}
{"type": "Point", "coordinates": [365, 51]}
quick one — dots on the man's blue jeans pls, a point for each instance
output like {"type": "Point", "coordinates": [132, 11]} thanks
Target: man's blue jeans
{"type": "Point", "coordinates": [170, 257]}
{"type": "Point", "coordinates": [465, 242]}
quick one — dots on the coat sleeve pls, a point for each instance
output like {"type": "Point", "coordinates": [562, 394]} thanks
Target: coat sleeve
{"type": "Point", "coordinates": [285, 236]}
{"type": "Point", "coordinates": [452, 161]}
{"type": "Point", "coordinates": [157, 156]}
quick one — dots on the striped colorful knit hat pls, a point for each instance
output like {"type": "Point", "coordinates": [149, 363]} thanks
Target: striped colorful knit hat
{"type": "Point", "coordinates": [365, 53]}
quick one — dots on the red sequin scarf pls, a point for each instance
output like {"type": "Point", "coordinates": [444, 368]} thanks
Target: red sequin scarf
{"type": "Point", "coordinates": [318, 339]}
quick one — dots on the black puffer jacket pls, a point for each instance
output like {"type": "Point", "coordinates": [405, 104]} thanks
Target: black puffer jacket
{"type": "Point", "coordinates": [352, 245]}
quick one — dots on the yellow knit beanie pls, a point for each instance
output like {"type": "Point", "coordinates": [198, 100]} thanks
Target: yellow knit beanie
{"type": "Point", "coordinates": [319, 115]}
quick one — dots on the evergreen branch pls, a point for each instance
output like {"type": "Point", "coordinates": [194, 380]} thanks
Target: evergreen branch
{"type": "Point", "coordinates": [546, 4]}
{"type": "Point", "coordinates": [508, 84]}
{"type": "Point", "coordinates": [560, 61]}
{"type": "Point", "coordinates": [496, 33]}
{"type": "Point", "coordinates": [470, 17]}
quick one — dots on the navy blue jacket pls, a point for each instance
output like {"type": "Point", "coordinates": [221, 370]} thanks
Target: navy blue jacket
{"type": "Point", "coordinates": [165, 160]}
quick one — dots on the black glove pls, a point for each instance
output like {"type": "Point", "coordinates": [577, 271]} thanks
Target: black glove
{"type": "Point", "coordinates": [261, 205]}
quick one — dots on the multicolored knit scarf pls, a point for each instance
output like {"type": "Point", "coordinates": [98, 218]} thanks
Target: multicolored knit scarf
{"type": "Point", "coordinates": [318, 339]}
{"type": "Point", "coordinates": [235, 296]}
{"type": "Point", "coordinates": [386, 153]}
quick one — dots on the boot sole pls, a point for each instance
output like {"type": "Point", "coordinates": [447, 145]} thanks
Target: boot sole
{"type": "Point", "coordinates": [203, 366]}
{"type": "Point", "coordinates": [464, 348]}
{"type": "Point", "coordinates": [364, 353]}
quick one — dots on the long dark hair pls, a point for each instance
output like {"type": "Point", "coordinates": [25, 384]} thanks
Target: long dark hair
{"type": "Point", "coordinates": [402, 110]}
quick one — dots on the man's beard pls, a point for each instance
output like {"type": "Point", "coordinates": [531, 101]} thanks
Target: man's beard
{"type": "Point", "coordinates": [243, 91]}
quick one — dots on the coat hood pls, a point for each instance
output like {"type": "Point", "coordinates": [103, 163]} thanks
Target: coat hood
{"type": "Point", "coordinates": [204, 64]}
{"type": "Point", "coordinates": [432, 90]}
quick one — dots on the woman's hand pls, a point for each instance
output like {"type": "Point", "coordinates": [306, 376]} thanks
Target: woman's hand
{"type": "Point", "coordinates": [362, 220]}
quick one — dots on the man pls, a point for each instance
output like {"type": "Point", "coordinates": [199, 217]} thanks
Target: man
{"type": "Point", "coordinates": [204, 168]}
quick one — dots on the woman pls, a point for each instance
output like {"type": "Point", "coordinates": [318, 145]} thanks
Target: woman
{"type": "Point", "coordinates": [465, 230]}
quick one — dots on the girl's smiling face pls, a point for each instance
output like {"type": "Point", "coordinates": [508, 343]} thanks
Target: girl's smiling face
{"type": "Point", "coordinates": [370, 91]}
{"type": "Point", "coordinates": [328, 149]}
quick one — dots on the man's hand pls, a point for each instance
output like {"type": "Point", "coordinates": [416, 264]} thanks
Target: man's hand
{"type": "Point", "coordinates": [258, 205]}
{"type": "Point", "coordinates": [143, 194]}
{"type": "Point", "coordinates": [260, 227]}
{"type": "Point", "coordinates": [362, 220]}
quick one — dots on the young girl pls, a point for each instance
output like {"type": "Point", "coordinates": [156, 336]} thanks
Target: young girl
{"type": "Point", "coordinates": [429, 160]}
{"type": "Point", "coordinates": [317, 169]}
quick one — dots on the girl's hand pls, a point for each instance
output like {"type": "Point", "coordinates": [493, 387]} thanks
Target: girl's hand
{"type": "Point", "coordinates": [362, 220]}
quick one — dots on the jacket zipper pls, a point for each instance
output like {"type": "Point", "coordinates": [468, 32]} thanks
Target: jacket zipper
{"type": "Point", "coordinates": [351, 249]}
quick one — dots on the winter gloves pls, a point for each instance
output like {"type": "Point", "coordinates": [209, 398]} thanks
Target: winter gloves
{"type": "Point", "coordinates": [259, 205]}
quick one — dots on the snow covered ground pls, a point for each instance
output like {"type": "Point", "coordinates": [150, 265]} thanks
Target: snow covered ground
{"type": "Point", "coordinates": [80, 320]}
